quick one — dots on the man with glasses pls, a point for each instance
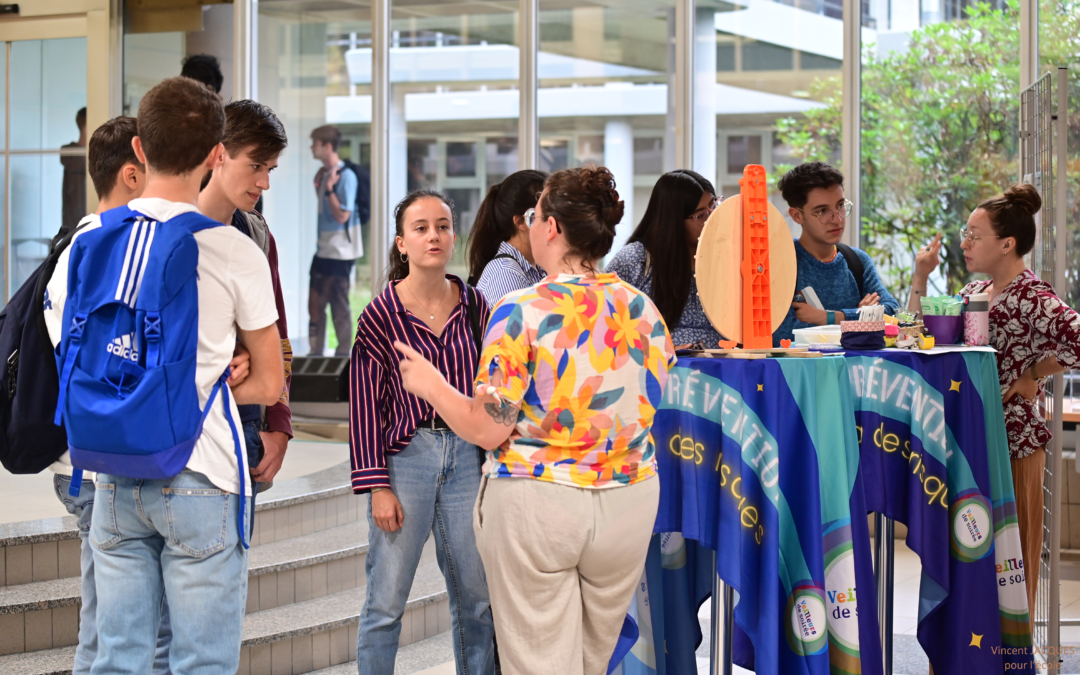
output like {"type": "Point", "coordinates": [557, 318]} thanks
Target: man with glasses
{"type": "Point", "coordinates": [843, 278]}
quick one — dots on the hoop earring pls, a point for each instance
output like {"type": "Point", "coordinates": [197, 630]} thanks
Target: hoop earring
{"type": "Point", "coordinates": [404, 258]}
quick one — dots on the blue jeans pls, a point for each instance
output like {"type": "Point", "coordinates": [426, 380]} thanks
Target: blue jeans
{"type": "Point", "coordinates": [82, 507]}
{"type": "Point", "coordinates": [175, 537]}
{"type": "Point", "coordinates": [436, 479]}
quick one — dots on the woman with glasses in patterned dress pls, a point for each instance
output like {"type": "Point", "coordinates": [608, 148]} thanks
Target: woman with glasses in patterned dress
{"type": "Point", "coordinates": [570, 378]}
{"type": "Point", "coordinates": [658, 258]}
{"type": "Point", "coordinates": [1035, 334]}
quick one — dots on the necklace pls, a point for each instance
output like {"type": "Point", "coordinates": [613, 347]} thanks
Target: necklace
{"type": "Point", "coordinates": [430, 313]}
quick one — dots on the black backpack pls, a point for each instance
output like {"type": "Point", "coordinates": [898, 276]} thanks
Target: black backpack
{"type": "Point", "coordinates": [363, 192]}
{"type": "Point", "coordinates": [29, 383]}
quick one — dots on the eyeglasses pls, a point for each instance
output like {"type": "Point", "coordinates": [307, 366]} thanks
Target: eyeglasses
{"type": "Point", "coordinates": [701, 215]}
{"type": "Point", "coordinates": [530, 218]}
{"type": "Point", "coordinates": [827, 215]}
{"type": "Point", "coordinates": [966, 235]}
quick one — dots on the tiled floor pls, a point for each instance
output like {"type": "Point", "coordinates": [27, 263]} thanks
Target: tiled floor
{"type": "Point", "coordinates": [30, 497]}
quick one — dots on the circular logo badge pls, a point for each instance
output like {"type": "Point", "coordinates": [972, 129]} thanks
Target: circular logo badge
{"type": "Point", "coordinates": [972, 527]}
{"type": "Point", "coordinates": [807, 629]}
{"type": "Point", "coordinates": [672, 551]}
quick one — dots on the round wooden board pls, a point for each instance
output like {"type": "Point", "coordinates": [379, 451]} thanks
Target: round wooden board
{"type": "Point", "coordinates": [718, 261]}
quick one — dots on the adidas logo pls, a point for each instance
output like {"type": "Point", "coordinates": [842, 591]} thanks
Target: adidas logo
{"type": "Point", "coordinates": [122, 347]}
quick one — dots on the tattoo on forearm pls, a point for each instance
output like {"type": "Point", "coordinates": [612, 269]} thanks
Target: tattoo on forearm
{"type": "Point", "coordinates": [503, 415]}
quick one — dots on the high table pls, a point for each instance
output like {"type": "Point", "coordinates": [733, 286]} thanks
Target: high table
{"type": "Point", "coordinates": [772, 464]}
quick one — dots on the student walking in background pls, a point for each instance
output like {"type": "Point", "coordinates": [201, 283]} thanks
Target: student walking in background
{"type": "Point", "coordinates": [659, 257]}
{"type": "Point", "coordinates": [423, 477]}
{"type": "Point", "coordinates": [500, 255]}
{"type": "Point", "coordinates": [571, 375]}
{"type": "Point", "coordinates": [340, 243]}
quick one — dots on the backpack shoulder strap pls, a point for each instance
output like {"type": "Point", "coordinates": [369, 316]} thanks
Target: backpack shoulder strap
{"type": "Point", "coordinates": [473, 308]}
{"type": "Point", "coordinates": [475, 280]}
{"type": "Point", "coordinates": [48, 268]}
{"type": "Point", "coordinates": [854, 263]}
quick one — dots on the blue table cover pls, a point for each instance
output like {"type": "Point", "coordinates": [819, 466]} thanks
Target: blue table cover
{"type": "Point", "coordinates": [758, 461]}
{"type": "Point", "coordinates": [767, 461]}
{"type": "Point", "coordinates": [935, 456]}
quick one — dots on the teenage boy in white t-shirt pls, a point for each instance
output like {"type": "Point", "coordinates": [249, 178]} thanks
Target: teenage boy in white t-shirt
{"type": "Point", "coordinates": [178, 536]}
{"type": "Point", "coordinates": [254, 139]}
{"type": "Point", "coordinates": [118, 177]}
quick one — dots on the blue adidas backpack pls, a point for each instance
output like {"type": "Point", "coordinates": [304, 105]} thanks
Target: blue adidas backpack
{"type": "Point", "coordinates": [127, 357]}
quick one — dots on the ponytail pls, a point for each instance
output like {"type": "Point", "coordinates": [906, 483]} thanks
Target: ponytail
{"type": "Point", "coordinates": [494, 221]}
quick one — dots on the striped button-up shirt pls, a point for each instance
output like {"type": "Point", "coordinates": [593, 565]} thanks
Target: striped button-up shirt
{"type": "Point", "coordinates": [506, 275]}
{"type": "Point", "coordinates": [382, 415]}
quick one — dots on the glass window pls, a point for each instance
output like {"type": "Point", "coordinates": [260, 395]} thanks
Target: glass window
{"type": "Point", "coordinates": [769, 109]}
{"type": "Point", "coordinates": [1059, 24]}
{"type": "Point", "coordinates": [454, 84]}
{"type": "Point", "coordinates": [314, 69]}
{"type": "Point", "coordinates": [46, 179]}
{"type": "Point", "coordinates": [924, 172]}
{"type": "Point", "coordinates": [742, 150]}
{"type": "Point", "coordinates": [604, 74]}
{"type": "Point", "coordinates": [154, 49]}
{"type": "Point", "coordinates": [766, 56]}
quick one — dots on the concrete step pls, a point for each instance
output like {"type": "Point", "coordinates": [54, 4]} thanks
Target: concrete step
{"type": "Point", "coordinates": [45, 614]}
{"type": "Point", "coordinates": [307, 636]}
{"type": "Point", "coordinates": [297, 638]}
{"type": "Point", "coordinates": [417, 657]}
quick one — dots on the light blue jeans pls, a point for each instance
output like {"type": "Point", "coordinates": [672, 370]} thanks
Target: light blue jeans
{"type": "Point", "coordinates": [436, 479]}
{"type": "Point", "coordinates": [82, 507]}
{"type": "Point", "coordinates": [177, 537]}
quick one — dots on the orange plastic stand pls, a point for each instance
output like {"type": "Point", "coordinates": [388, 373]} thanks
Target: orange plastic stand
{"type": "Point", "coordinates": [757, 291]}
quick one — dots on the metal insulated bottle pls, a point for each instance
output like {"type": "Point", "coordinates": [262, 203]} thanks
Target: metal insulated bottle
{"type": "Point", "coordinates": [977, 319]}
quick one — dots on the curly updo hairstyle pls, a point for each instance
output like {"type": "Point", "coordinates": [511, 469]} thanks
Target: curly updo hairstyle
{"type": "Point", "coordinates": [1013, 215]}
{"type": "Point", "coordinates": [585, 205]}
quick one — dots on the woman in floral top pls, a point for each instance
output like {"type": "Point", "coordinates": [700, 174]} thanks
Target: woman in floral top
{"type": "Point", "coordinates": [571, 375]}
{"type": "Point", "coordinates": [1035, 334]}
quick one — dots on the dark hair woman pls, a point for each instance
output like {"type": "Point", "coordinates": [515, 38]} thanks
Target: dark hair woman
{"type": "Point", "coordinates": [572, 372]}
{"type": "Point", "coordinates": [500, 255]}
{"type": "Point", "coordinates": [423, 477]}
{"type": "Point", "coordinates": [1035, 335]}
{"type": "Point", "coordinates": [658, 258]}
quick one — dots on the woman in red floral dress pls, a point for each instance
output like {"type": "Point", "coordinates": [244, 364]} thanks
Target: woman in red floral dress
{"type": "Point", "coordinates": [1035, 334]}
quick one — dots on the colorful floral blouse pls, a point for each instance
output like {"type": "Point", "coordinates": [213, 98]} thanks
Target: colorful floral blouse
{"type": "Point", "coordinates": [1028, 323]}
{"type": "Point", "coordinates": [587, 359]}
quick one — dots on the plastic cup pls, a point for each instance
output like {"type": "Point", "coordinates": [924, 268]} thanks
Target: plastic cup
{"type": "Point", "coordinates": [947, 330]}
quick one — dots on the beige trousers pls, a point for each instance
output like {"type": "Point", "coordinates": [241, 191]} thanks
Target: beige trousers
{"type": "Point", "coordinates": [562, 564]}
{"type": "Point", "coordinates": [1028, 476]}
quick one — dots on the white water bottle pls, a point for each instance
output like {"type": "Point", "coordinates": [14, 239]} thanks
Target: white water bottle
{"type": "Point", "coordinates": [977, 319]}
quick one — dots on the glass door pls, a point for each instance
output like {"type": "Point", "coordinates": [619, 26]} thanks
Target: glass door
{"type": "Point", "coordinates": [43, 91]}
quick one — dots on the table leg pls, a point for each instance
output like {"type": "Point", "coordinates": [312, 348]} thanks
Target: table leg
{"type": "Point", "coordinates": [723, 615]}
{"type": "Point", "coordinates": [884, 569]}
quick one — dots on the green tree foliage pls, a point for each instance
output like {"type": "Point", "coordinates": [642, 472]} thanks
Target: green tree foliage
{"type": "Point", "coordinates": [939, 131]}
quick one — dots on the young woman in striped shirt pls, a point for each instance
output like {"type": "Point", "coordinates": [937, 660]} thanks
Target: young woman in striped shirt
{"type": "Point", "coordinates": [500, 255]}
{"type": "Point", "coordinates": [422, 477]}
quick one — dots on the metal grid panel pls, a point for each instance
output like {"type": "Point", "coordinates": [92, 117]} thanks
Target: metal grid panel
{"type": "Point", "coordinates": [1037, 167]}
